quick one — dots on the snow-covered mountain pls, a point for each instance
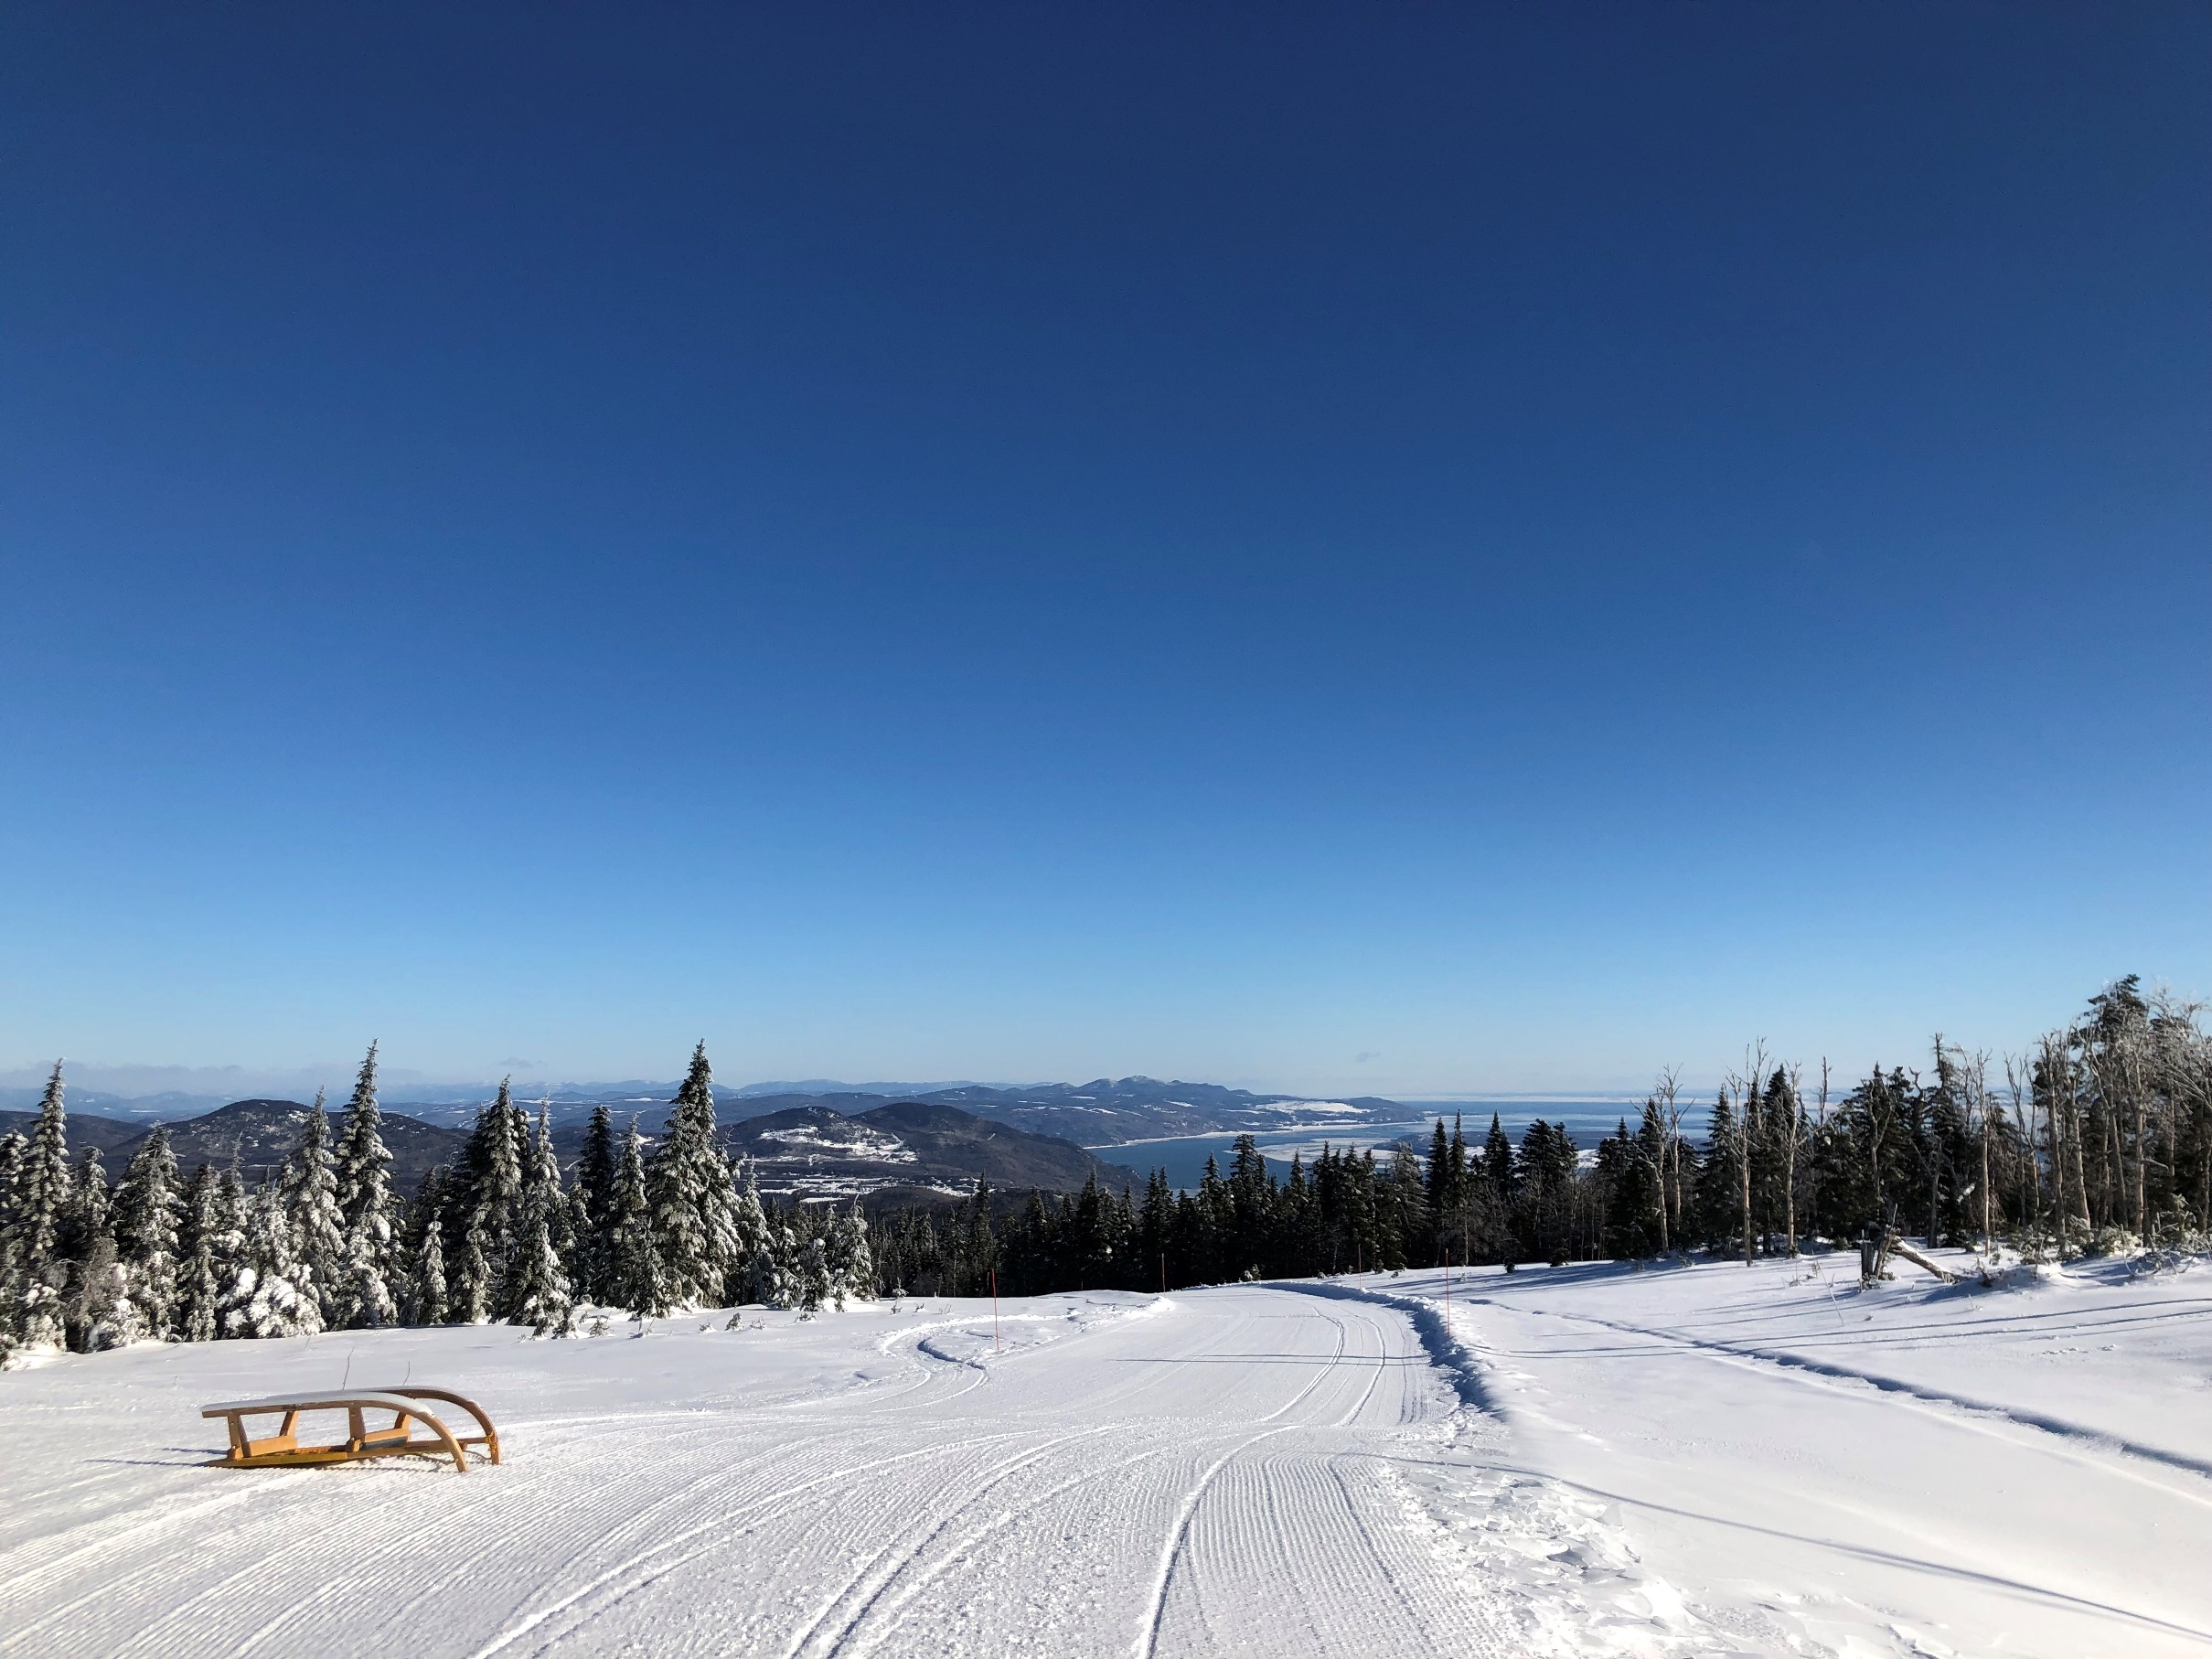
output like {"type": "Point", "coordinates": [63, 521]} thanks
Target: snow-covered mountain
{"type": "Point", "coordinates": [812, 1150]}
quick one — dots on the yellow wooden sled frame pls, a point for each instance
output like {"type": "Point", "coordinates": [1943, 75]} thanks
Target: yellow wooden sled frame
{"type": "Point", "coordinates": [283, 1448]}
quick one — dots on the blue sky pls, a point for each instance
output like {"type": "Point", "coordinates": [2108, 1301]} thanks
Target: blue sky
{"type": "Point", "coordinates": [1329, 548]}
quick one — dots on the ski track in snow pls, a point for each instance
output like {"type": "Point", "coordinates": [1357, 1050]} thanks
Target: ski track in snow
{"type": "Point", "coordinates": [1209, 1473]}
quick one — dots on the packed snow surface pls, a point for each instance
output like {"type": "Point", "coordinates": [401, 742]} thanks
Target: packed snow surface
{"type": "Point", "coordinates": [1581, 1460]}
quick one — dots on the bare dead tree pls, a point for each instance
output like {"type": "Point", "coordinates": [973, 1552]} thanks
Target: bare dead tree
{"type": "Point", "coordinates": [1748, 1088]}
{"type": "Point", "coordinates": [1973, 1083]}
{"type": "Point", "coordinates": [1794, 1132]}
{"type": "Point", "coordinates": [2023, 1120]}
{"type": "Point", "coordinates": [1669, 1094]}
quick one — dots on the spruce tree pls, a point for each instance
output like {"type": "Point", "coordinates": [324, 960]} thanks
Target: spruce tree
{"type": "Point", "coordinates": [595, 1192]}
{"type": "Point", "coordinates": [97, 1310]}
{"type": "Point", "coordinates": [45, 1189]}
{"type": "Point", "coordinates": [534, 1289]}
{"type": "Point", "coordinates": [559, 1215]}
{"type": "Point", "coordinates": [772, 1275]}
{"type": "Point", "coordinates": [850, 1266]}
{"type": "Point", "coordinates": [813, 1286]}
{"type": "Point", "coordinates": [485, 1205]}
{"type": "Point", "coordinates": [310, 1196]}
{"type": "Point", "coordinates": [206, 1245]}
{"type": "Point", "coordinates": [148, 1209]}
{"type": "Point", "coordinates": [426, 1303]}
{"type": "Point", "coordinates": [472, 1287]}
{"type": "Point", "coordinates": [361, 1296]}
{"type": "Point", "coordinates": [749, 1224]}
{"type": "Point", "coordinates": [688, 1188]}
{"type": "Point", "coordinates": [14, 1151]}
{"type": "Point", "coordinates": [269, 1294]}
{"type": "Point", "coordinates": [536, 1292]}
{"type": "Point", "coordinates": [635, 1279]}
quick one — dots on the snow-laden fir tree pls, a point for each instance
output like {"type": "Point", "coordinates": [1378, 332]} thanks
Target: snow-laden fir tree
{"type": "Point", "coordinates": [14, 1152]}
{"type": "Point", "coordinates": [269, 1294]}
{"type": "Point", "coordinates": [535, 1289]}
{"type": "Point", "coordinates": [309, 1192]}
{"type": "Point", "coordinates": [362, 1295]}
{"type": "Point", "coordinates": [559, 1214]}
{"type": "Point", "coordinates": [688, 1188]}
{"type": "Point", "coordinates": [483, 1204]}
{"type": "Point", "coordinates": [813, 1286]}
{"type": "Point", "coordinates": [749, 1225]}
{"type": "Point", "coordinates": [90, 1210]}
{"type": "Point", "coordinates": [148, 1210]}
{"type": "Point", "coordinates": [593, 1198]}
{"type": "Point", "coordinates": [426, 1303]}
{"type": "Point", "coordinates": [849, 1264]}
{"type": "Point", "coordinates": [45, 1191]}
{"type": "Point", "coordinates": [208, 1248]}
{"type": "Point", "coordinates": [470, 1282]}
{"type": "Point", "coordinates": [771, 1277]}
{"type": "Point", "coordinates": [97, 1309]}
{"type": "Point", "coordinates": [636, 1278]}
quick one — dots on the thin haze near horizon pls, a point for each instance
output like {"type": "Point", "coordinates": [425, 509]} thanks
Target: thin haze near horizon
{"type": "Point", "coordinates": [1331, 550]}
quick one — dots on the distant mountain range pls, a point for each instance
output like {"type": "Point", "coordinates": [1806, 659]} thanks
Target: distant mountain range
{"type": "Point", "coordinates": [809, 1150]}
{"type": "Point", "coordinates": [1106, 1112]}
{"type": "Point", "coordinates": [1101, 1113]}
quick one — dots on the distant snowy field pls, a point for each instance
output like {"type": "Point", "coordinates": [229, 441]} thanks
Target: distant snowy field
{"type": "Point", "coordinates": [1580, 1460]}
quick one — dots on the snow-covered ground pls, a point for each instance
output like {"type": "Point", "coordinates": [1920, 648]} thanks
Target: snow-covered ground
{"type": "Point", "coordinates": [1579, 1461]}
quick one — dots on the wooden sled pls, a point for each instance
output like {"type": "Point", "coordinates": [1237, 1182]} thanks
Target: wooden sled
{"type": "Point", "coordinates": [282, 1448]}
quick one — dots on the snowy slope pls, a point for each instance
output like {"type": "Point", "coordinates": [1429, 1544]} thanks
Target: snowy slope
{"type": "Point", "coordinates": [1580, 1461]}
{"type": "Point", "coordinates": [2024, 1469]}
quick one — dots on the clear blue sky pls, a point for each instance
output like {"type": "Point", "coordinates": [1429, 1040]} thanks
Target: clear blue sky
{"type": "Point", "coordinates": [1336, 547]}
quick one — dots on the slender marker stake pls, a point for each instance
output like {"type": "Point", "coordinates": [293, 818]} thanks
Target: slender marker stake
{"type": "Point", "coordinates": [994, 1309]}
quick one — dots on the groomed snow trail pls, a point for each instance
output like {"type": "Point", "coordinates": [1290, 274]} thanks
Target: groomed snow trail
{"type": "Point", "coordinates": [1231, 1470]}
{"type": "Point", "coordinates": [1914, 1469]}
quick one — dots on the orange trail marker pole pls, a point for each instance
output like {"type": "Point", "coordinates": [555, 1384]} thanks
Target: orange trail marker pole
{"type": "Point", "coordinates": [1447, 1291]}
{"type": "Point", "coordinates": [994, 1309]}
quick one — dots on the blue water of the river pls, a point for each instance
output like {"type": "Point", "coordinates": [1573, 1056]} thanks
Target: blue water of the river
{"type": "Point", "coordinates": [1184, 1156]}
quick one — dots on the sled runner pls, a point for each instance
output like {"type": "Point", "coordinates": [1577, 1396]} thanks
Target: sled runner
{"type": "Point", "coordinates": [283, 1447]}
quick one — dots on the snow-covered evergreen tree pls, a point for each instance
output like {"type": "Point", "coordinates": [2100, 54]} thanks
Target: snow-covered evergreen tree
{"type": "Point", "coordinates": [14, 1153]}
{"type": "Point", "coordinates": [45, 1191]}
{"type": "Point", "coordinates": [769, 1278]}
{"type": "Point", "coordinates": [426, 1303]}
{"type": "Point", "coordinates": [534, 1290]}
{"type": "Point", "coordinates": [813, 1286]}
{"type": "Point", "coordinates": [559, 1215]}
{"type": "Point", "coordinates": [749, 1226]}
{"type": "Point", "coordinates": [688, 1186]}
{"type": "Point", "coordinates": [309, 1192]}
{"type": "Point", "coordinates": [361, 1295]}
{"type": "Point", "coordinates": [269, 1294]}
{"type": "Point", "coordinates": [471, 1286]}
{"type": "Point", "coordinates": [636, 1278]}
{"type": "Point", "coordinates": [593, 1197]}
{"type": "Point", "coordinates": [148, 1209]}
{"type": "Point", "coordinates": [207, 1250]}
{"type": "Point", "coordinates": [850, 1266]}
{"type": "Point", "coordinates": [484, 1205]}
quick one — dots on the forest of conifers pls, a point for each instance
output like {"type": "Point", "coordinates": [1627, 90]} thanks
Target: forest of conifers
{"type": "Point", "coordinates": [2099, 1139]}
